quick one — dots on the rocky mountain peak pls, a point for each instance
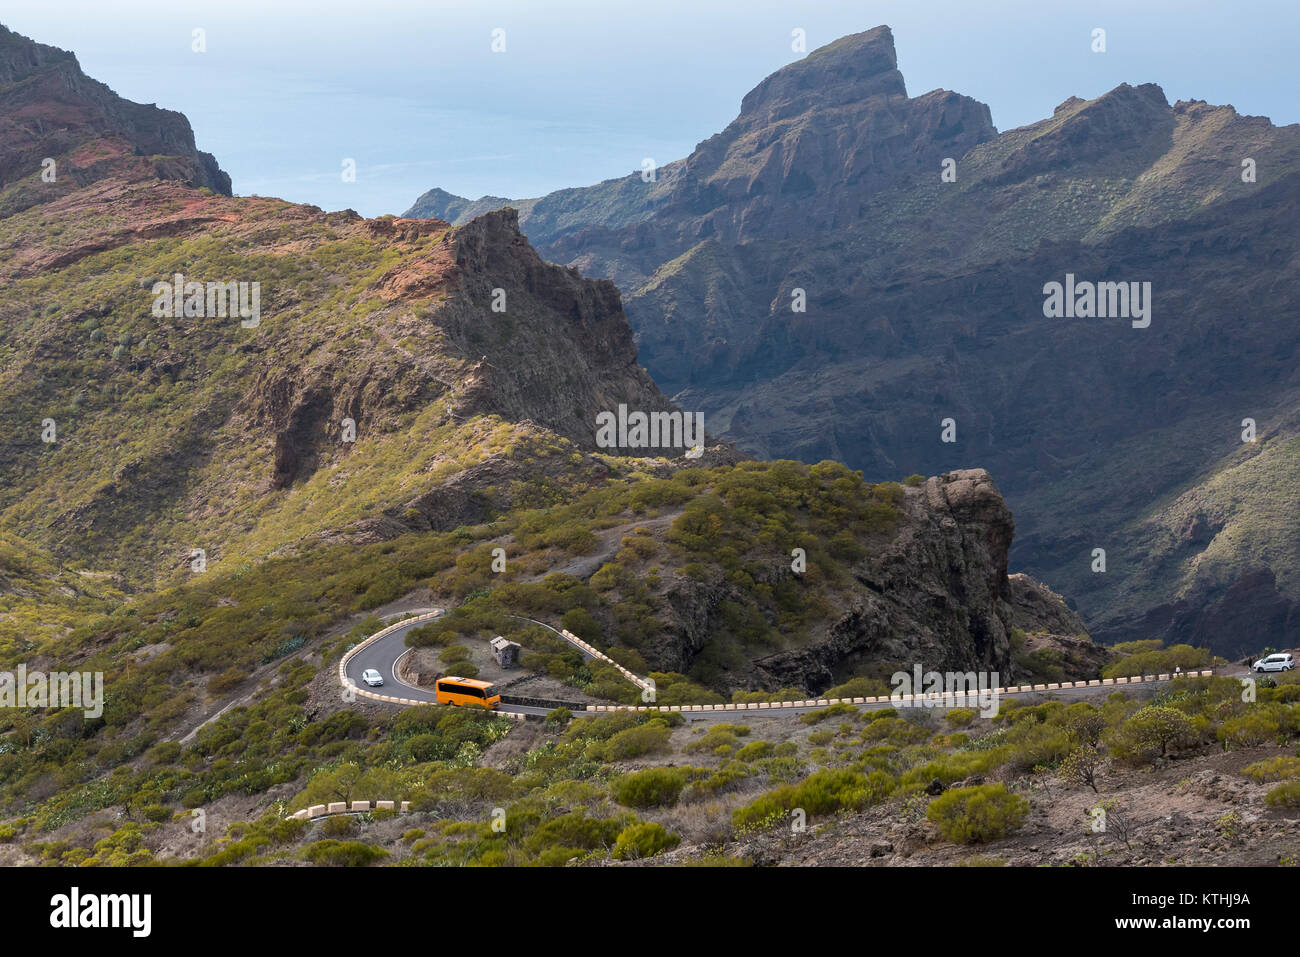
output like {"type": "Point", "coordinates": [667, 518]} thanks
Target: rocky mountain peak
{"type": "Point", "coordinates": [815, 139]}
{"type": "Point", "coordinates": [923, 292]}
{"type": "Point", "coordinates": [849, 70]}
{"type": "Point", "coordinates": [49, 109]}
{"type": "Point", "coordinates": [21, 57]}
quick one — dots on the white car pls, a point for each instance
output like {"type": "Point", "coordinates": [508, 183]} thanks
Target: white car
{"type": "Point", "coordinates": [1279, 662]}
{"type": "Point", "coordinates": [372, 677]}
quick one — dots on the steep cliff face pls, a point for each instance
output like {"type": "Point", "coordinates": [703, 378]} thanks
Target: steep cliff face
{"type": "Point", "coordinates": [934, 592]}
{"type": "Point", "coordinates": [774, 172]}
{"type": "Point", "coordinates": [811, 143]}
{"type": "Point", "coordinates": [561, 377]}
{"type": "Point", "coordinates": [936, 596]}
{"type": "Point", "coordinates": [50, 110]}
{"type": "Point", "coordinates": [812, 281]}
{"type": "Point", "coordinates": [390, 375]}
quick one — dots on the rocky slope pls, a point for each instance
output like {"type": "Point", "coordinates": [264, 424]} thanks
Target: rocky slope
{"type": "Point", "coordinates": [387, 358]}
{"type": "Point", "coordinates": [938, 595]}
{"type": "Point", "coordinates": [928, 587]}
{"type": "Point", "coordinates": [51, 111]}
{"type": "Point", "coordinates": [406, 376]}
{"type": "Point", "coordinates": [924, 301]}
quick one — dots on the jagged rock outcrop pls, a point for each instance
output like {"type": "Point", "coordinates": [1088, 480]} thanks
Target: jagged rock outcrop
{"type": "Point", "coordinates": [936, 594]}
{"type": "Point", "coordinates": [923, 297]}
{"type": "Point", "coordinates": [393, 365]}
{"type": "Point", "coordinates": [49, 109]}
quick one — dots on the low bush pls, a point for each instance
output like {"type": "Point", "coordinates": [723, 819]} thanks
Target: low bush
{"type": "Point", "coordinates": [653, 787]}
{"type": "Point", "coordinates": [646, 839]}
{"type": "Point", "coordinates": [333, 853]}
{"type": "Point", "coordinates": [1286, 794]}
{"type": "Point", "coordinates": [822, 793]}
{"type": "Point", "coordinates": [978, 814]}
{"type": "Point", "coordinates": [960, 717]}
{"type": "Point", "coordinates": [1272, 769]}
{"type": "Point", "coordinates": [649, 738]}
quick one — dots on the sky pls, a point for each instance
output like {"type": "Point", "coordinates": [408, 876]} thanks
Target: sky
{"type": "Point", "coordinates": [413, 93]}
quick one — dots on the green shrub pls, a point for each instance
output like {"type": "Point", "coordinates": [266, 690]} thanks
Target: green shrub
{"type": "Point", "coordinates": [1286, 794]}
{"type": "Point", "coordinates": [718, 736]}
{"type": "Point", "coordinates": [166, 752]}
{"type": "Point", "coordinates": [1154, 728]}
{"type": "Point", "coordinates": [579, 621]}
{"type": "Point", "coordinates": [650, 738]}
{"type": "Point", "coordinates": [1134, 647]}
{"type": "Point", "coordinates": [331, 853]}
{"type": "Point", "coordinates": [1030, 744]}
{"type": "Point", "coordinates": [856, 688]}
{"type": "Point", "coordinates": [978, 814]}
{"type": "Point", "coordinates": [957, 766]}
{"type": "Point", "coordinates": [340, 825]}
{"type": "Point", "coordinates": [1085, 725]}
{"type": "Point", "coordinates": [1257, 726]}
{"type": "Point", "coordinates": [156, 812]}
{"type": "Point", "coordinates": [653, 787]}
{"type": "Point", "coordinates": [557, 719]}
{"type": "Point", "coordinates": [729, 774]}
{"type": "Point", "coordinates": [453, 654]}
{"type": "Point", "coordinates": [638, 841]}
{"type": "Point", "coordinates": [834, 711]}
{"type": "Point", "coordinates": [1080, 767]}
{"type": "Point", "coordinates": [228, 680]}
{"type": "Point", "coordinates": [1272, 769]}
{"type": "Point", "coordinates": [755, 751]}
{"type": "Point", "coordinates": [822, 793]}
{"type": "Point", "coordinates": [1159, 661]}
{"type": "Point", "coordinates": [562, 838]}
{"type": "Point", "coordinates": [960, 717]}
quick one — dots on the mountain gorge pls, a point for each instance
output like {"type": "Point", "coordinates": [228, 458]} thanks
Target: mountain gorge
{"type": "Point", "coordinates": [395, 378]}
{"type": "Point", "coordinates": [846, 268]}
{"type": "Point", "coordinates": [268, 472]}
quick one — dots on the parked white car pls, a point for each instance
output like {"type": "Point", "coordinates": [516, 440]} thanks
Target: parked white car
{"type": "Point", "coordinates": [1280, 662]}
{"type": "Point", "coordinates": [372, 677]}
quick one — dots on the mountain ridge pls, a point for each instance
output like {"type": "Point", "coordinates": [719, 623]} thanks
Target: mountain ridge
{"type": "Point", "coordinates": [401, 377]}
{"type": "Point", "coordinates": [921, 251]}
{"type": "Point", "coordinates": [53, 113]}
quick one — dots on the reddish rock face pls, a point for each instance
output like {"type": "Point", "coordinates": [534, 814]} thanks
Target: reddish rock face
{"type": "Point", "coordinates": [49, 108]}
{"type": "Point", "coordinates": [418, 331]}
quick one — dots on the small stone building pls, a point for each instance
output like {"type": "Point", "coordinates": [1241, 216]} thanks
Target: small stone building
{"type": "Point", "coordinates": [505, 652]}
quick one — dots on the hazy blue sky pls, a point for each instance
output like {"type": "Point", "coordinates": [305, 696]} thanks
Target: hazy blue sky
{"type": "Point", "coordinates": [586, 90]}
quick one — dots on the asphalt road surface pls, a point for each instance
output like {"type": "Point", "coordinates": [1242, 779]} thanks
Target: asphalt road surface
{"type": "Point", "coordinates": [386, 654]}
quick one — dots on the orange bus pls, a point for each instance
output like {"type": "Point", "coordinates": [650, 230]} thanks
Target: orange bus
{"type": "Point", "coordinates": [461, 691]}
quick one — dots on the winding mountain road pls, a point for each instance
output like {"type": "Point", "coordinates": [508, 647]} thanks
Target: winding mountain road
{"type": "Point", "coordinates": [385, 653]}
{"type": "Point", "coordinates": [384, 650]}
